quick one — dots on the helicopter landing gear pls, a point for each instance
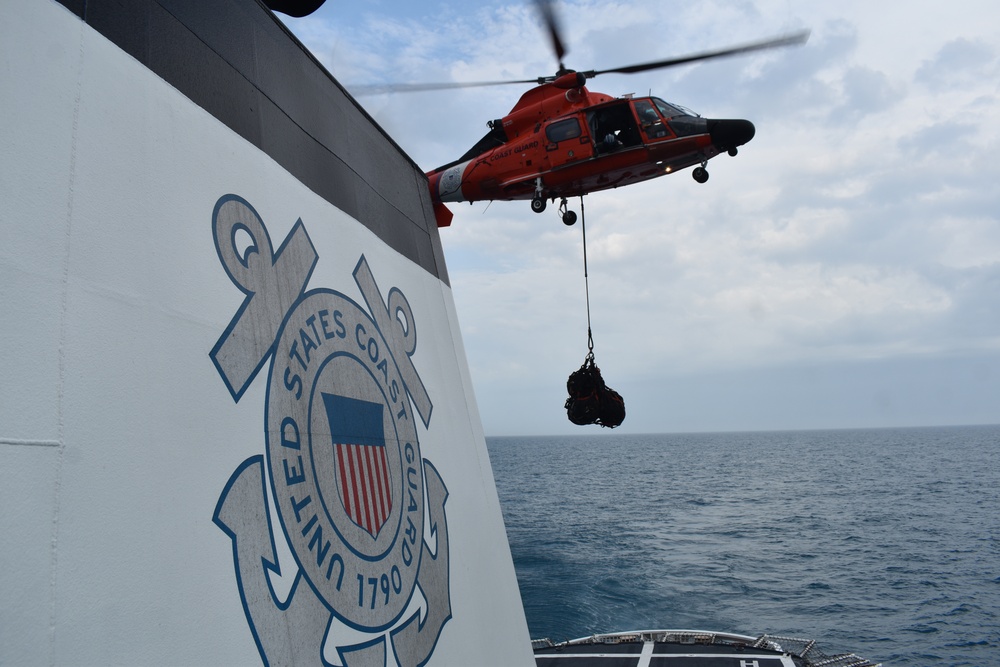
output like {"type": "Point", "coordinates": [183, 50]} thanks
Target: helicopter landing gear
{"type": "Point", "coordinates": [733, 152]}
{"type": "Point", "coordinates": [568, 217]}
{"type": "Point", "coordinates": [538, 203]}
{"type": "Point", "coordinates": [700, 174]}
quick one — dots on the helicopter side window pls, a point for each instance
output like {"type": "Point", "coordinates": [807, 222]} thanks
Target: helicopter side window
{"type": "Point", "coordinates": [649, 120]}
{"type": "Point", "coordinates": [563, 130]}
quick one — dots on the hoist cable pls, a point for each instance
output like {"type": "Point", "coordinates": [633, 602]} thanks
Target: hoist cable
{"type": "Point", "coordinates": [586, 278]}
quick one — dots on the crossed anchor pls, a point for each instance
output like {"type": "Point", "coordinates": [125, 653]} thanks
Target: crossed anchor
{"type": "Point", "coordinates": [298, 630]}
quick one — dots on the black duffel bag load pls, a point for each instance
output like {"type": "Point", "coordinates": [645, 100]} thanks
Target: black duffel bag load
{"type": "Point", "coordinates": [590, 400]}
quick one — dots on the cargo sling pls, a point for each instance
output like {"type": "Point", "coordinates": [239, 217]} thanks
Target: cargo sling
{"type": "Point", "coordinates": [590, 400]}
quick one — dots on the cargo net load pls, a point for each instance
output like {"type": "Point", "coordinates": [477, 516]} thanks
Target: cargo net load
{"type": "Point", "coordinates": [590, 400]}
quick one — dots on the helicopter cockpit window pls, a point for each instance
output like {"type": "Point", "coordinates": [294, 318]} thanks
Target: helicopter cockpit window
{"type": "Point", "coordinates": [563, 130]}
{"type": "Point", "coordinates": [673, 110]}
{"type": "Point", "coordinates": [669, 110]}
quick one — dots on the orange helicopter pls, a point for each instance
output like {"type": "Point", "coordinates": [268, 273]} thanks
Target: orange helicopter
{"type": "Point", "coordinates": [562, 140]}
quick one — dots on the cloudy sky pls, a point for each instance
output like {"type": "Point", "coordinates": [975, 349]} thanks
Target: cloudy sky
{"type": "Point", "coordinates": [842, 271]}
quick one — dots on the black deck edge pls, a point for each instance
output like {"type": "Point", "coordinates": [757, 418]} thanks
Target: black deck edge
{"type": "Point", "coordinates": [237, 61]}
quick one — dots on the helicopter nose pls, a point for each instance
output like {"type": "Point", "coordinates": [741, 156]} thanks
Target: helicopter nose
{"type": "Point", "coordinates": [728, 134]}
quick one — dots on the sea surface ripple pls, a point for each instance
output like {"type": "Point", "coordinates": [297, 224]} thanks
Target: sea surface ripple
{"type": "Point", "coordinates": [881, 542]}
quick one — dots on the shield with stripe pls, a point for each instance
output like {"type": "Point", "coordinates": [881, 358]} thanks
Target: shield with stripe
{"type": "Point", "coordinates": [362, 468]}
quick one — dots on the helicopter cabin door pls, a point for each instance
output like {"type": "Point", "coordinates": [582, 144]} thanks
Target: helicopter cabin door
{"type": "Point", "coordinates": [653, 127]}
{"type": "Point", "coordinates": [614, 128]}
{"type": "Point", "coordinates": [566, 141]}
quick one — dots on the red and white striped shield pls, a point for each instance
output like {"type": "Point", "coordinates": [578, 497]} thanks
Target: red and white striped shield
{"type": "Point", "coordinates": [364, 483]}
{"type": "Point", "coordinates": [363, 476]}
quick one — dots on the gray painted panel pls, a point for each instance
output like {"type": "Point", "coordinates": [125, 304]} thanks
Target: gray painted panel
{"type": "Point", "coordinates": [235, 60]}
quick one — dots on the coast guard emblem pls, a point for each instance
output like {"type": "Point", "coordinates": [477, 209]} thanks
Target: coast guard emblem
{"type": "Point", "coordinates": [361, 511]}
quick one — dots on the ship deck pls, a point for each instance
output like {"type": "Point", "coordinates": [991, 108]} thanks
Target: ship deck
{"type": "Point", "coordinates": [687, 648]}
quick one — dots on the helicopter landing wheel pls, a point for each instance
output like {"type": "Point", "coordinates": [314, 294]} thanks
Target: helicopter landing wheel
{"type": "Point", "coordinates": [700, 174]}
{"type": "Point", "coordinates": [568, 216]}
{"type": "Point", "coordinates": [733, 152]}
{"type": "Point", "coordinates": [537, 204]}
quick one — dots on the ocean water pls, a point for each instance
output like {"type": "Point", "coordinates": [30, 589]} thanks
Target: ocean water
{"type": "Point", "coordinates": [882, 542]}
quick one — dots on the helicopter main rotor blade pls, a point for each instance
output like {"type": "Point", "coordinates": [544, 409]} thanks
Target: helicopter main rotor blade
{"type": "Point", "coordinates": [787, 40]}
{"type": "Point", "coordinates": [551, 19]}
{"type": "Point", "coordinates": [380, 89]}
